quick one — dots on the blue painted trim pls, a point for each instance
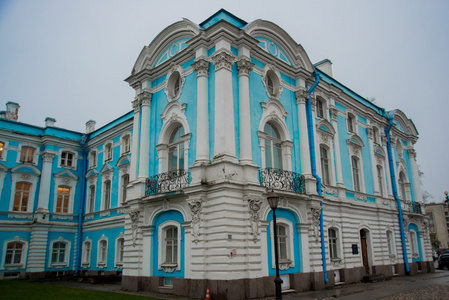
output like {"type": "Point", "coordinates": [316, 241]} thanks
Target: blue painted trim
{"type": "Point", "coordinates": [395, 191]}
{"type": "Point", "coordinates": [313, 165]}
{"type": "Point", "coordinates": [81, 211]}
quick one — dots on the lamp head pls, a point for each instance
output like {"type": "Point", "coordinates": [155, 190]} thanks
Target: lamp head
{"type": "Point", "coordinates": [273, 199]}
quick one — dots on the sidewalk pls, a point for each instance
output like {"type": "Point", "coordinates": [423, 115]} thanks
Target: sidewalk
{"type": "Point", "coordinates": [416, 287]}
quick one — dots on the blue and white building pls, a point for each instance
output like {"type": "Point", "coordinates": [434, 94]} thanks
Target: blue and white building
{"type": "Point", "coordinates": [172, 195]}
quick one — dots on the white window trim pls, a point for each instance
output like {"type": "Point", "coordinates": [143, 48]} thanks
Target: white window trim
{"type": "Point", "coordinates": [59, 265]}
{"type": "Point", "coordinates": [325, 105]}
{"type": "Point", "coordinates": [161, 247]}
{"type": "Point", "coordinates": [122, 171]}
{"type": "Point", "coordinates": [414, 245]}
{"type": "Point", "coordinates": [91, 163]}
{"type": "Point", "coordinates": [355, 126]}
{"type": "Point", "coordinates": [326, 140]}
{"type": "Point", "coordinates": [3, 172]}
{"type": "Point", "coordinates": [65, 178]}
{"type": "Point", "coordinates": [5, 150]}
{"type": "Point", "coordinates": [383, 188]}
{"type": "Point", "coordinates": [339, 257]}
{"type": "Point", "coordinates": [274, 74]}
{"type": "Point", "coordinates": [23, 258]}
{"type": "Point", "coordinates": [355, 149]}
{"type": "Point", "coordinates": [105, 152]}
{"type": "Point", "coordinates": [119, 264]}
{"type": "Point", "coordinates": [172, 117]}
{"type": "Point", "coordinates": [91, 180]}
{"type": "Point", "coordinates": [102, 264]}
{"type": "Point", "coordinates": [392, 254]}
{"type": "Point", "coordinates": [170, 81]}
{"type": "Point", "coordinates": [107, 173]}
{"type": "Point", "coordinates": [85, 261]}
{"type": "Point", "coordinates": [290, 262]}
{"type": "Point", "coordinates": [123, 144]}
{"type": "Point", "coordinates": [20, 176]}
{"type": "Point", "coordinates": [36, 153]}
{"type": "Point", "coordinates": [408, 195]}
{"type": "Point", "coordinates": [74, 160]}
{"type": "Point", "coordinates": [275, 113]}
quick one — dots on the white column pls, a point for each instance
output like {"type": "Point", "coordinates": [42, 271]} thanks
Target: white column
{"type": "Point", "coordinates": [201, 67]}
{"type": "Point", "coordinates": [373, 160]}
{"type": "Point", "coordinates": [244, 66]}
{"type": "Point", "coordinates": [395, 168]}
{"type": "Point", "coordinates": [415, 175]}
{"type": "Point", "coordinates": [301, 97]}
{"type": "Point", "coordinates": [224, 146]}
{"type": "Point", "coordinates": [44, 189]}
{"type": "Point", "coordinates": [334, 113]}
{"type": "Point", "coordinates": [136, 140]}
{"type": "Point", "coordinates": [144, 157]}
{"type": "Point", "coordinates": [387, 167]}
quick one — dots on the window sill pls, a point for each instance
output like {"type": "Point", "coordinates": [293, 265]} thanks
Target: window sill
{"type": "Point", "coordinates": [169, 267]}
{"type": "Point", "coordinates": [59, 265]}
{"type": "Point", "coordinates": [101, 265]}
{"type": "Point", "coordinates": [13, 267]}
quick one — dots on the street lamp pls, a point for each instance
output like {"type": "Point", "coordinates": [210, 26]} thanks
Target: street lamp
{"type": "Point", "coordinates": [273, 200]}
{"type": "Point", "coordinates": [447, 197]}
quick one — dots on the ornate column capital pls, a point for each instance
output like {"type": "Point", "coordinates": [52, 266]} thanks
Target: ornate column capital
{"type": "Point", "coordinates": [136, 105]}
{"type": "Point", "coordinates": [224, 60]}
{"type": "Point", "coordinates": [412, 153]}
{"type": "Point", "coordinates": [145, 98]}
{"type": "Point", "coordinates": [334, 113]}
{"type": "Point", "coordinates": [244, 66]}
{"type": "Point", "coordinates": [301, 96]}
{"type": "Point", "coordinates": [47, 157]}
{"type": "Point", "coordinates": [201, 67]}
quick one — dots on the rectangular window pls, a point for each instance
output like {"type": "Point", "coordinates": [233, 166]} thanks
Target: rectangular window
{"type": "Point", "coordinates": [86, 253]}
{"type": "Point", "coordinates": [2, 147]}
{"type": "Point", "coordinates": [107, 195]}
{"type": "Point", "coordinates": [120, 250]}
{"type": "Point", "coordinates": [171, 245]}
{"type": "Point", "coordinates": [380, 180]}
{"type": "Point", "coordinates": [14, 253]}
{"type": "Point", "coordinates": [58, 254]}
{"type": "Point", "coordinates": [319, 109]}
{"type": "Point", "coordinates": [103, 251]}
{"type": "Point", "coordinates": [62, 202]}
{"type": "Point", "coordinates": [27, 154]}
{"type": "Point", "coordinates": [126, 144]}
{"type": "Point", "coordinates": [125, 182]}
{"type": "Point", "coordinates": [93, 159]}
{"type": "Point", "coordinates": [350, 123]}
{"type": "Point", "coordinates": [282, 242]}
{"type": "Point", "coordinates": [333, 243]}
{"type": "Point", "coordinates": [325, 165]}
{"type": "Point", "coordinates": [21, 197]}
{"type": "Point", "coordinates": [66, 159]}
{"type": "Point", "coordinates": [108, 152]}
{"type": "Point", "coordinates": [91, 198]}
{"type": "Point", "coordinates": [355, 174]}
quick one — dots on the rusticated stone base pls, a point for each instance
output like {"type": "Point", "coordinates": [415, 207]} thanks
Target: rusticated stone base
{"type": "Point", "coordinates": [263, 286]}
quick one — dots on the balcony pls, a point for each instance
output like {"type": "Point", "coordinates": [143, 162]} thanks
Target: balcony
{"type": "Point", "coordinates": [413, 207]}
{"type": "Point", "coordinates": [282, 180]}
{"type": "Point", "coordinates": [171, 181]}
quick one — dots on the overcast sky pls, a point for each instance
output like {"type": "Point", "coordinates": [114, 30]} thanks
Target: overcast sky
{"type": "Point", "coordinates": [68, 59]}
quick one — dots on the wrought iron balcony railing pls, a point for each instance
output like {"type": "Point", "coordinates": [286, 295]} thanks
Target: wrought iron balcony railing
{"type": "Point", "coordinates": [282, 180]}
{"type": "Point", "coordinates": [171, 181]}
{"type": "Point", "coordinates": [413, 207]}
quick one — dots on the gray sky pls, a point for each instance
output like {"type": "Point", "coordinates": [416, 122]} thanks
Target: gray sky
{"type": "Point", "coordinates": [68, 59]}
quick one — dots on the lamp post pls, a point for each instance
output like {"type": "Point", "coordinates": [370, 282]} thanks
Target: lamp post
{"type": "Point", "coordinates": [447, 197]}
{"type": "Point", "coordinates": [273, 200]}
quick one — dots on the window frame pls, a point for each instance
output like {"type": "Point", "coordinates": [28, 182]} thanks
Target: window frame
{"type": "Point", "coordinates": [65, 263]}
{"type": "Point", "coordinates": [356, 172]}
{"type": "Point", "coordinates": [87, 253]}
{"type": "Point", "coordinates": [288, 262]}
{"type": "Point", "coordinates": [177, 144]}
{"type": "Point", "coordinates": [29, 193]}
{"type": "Point", "coordinates": [3, 150]}
{"type": "Point", "coordinates": [93, 159]}
{"type": "Point", "coordinates": [63, 159]}
{"type": "Point", "coordinates": [351, 123]}
{"type": "Point", "coordinates": [391, 245]}
{"type": "Point", "coordinates": [65, 199]}
{"type": "Point", "coordinates": [125, 143]}
{"type": "Point", "coordinates": [272, 141]}
{"type": "Point", "coordinates": [106, 194]}
{"type": "Point", "coordinates": [162, 247]}
{"type": "Point", "coordinates": [108, 152]}
{"type": "Point", "coordinates": [27, 157]}
{"type": "Point", "coordinates": [102, 252]}
{"type": "Point", "coordinates": [337, 250]}
{"type": "Point", "coordinates": [20, 176]}
{"type": "Point", "coordinates": [381, 180]}
{"type": "Point", "coordinates": [64, 178]}
{"type": "Point", "coordinates": [414, 245]}
{"type": "Point", "coordinates": [272, 82]}
{"type": "Point", "coordinates": [119, 250]}
{"type": "Point", "coordinates": [325, 165]}
{"type": "Point", "coordinates": [23, 257]}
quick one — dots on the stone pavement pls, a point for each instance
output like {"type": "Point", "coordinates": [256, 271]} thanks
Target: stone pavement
{"type": "Point", "coordinates": [423, 286]}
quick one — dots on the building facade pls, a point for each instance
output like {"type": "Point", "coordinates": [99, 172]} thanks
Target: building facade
{"type": "Point", "coordinates": [438, 225]}
{"type": "Point", "coordinates": [172, 195]}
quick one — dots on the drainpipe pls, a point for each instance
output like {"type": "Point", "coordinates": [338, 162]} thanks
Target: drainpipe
{"type": "Point", "coordinates": [313, 166]}
{"type": "Point", "coordinates": [395, 190]}
{"type": "Point", "coordinates": [83, 199]}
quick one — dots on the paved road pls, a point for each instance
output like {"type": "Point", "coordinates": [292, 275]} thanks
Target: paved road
{"type": "Point", "coordinates": [424, 286]}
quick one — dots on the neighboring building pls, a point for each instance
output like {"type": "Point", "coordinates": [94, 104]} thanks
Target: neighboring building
{"type": "Point", "coordinates": [438, 225]}
{"type": "Point", "coordinates": [172, 195]}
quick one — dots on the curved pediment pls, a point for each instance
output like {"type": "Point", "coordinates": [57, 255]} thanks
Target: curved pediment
{"type": "Point", "coordinates": [66, 173]}
{"type": "Point", "coordinates": [26, 168]}
{"type": "Point", "coordinates": [355, 140]}
{"type": "Point", "coordinates": [402, 123]}
{"type": "Point", "coordinates": [279, 43]}
{"type": "Point", "coordinates": [123, 160]}
{"type": "Point", "coordinates": [168, 43]}
{"type": "Point", "coordinates": [326, 126]}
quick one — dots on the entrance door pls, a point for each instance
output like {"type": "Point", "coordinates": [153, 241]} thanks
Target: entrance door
{"type": "Point", "coordinates": [364, 250]}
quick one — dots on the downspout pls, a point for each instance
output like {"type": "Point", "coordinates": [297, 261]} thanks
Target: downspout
{"type": "Point", "coordinates": [81, 210]}
{"type": "Point", "coordinates": [313, 166]}
{"type": "Point", "coordinates": [395, 193]}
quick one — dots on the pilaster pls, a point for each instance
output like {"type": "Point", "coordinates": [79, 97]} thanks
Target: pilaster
{"type": "Point", "coordinates": [44, 189]}
{"type": "Point", "coordinates": [145, 100]}
{"type": "Point", "coordinates": [136, 139]}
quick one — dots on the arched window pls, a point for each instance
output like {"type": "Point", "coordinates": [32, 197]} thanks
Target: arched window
{"type": "Point", "coordinates": [356, 173]}
{"type": "Point", "coordinates": [176, 150]}
{"type": "Point", "coordinates": [87, 247]}
{"type": "Point", "coordinates": [333, 243]}
{"type": "Point", "coordinates": [63, 199]}
{"type": "Point", "coordinates": [414, 243]}
{"type": "Point", "coordinates": [174, 86]}
{"type": "Point", "coordinates": [171, 245]}
{"type": "Point", "coordinates": [402, 186]}
{"type": "Point", "coordinates": [102, 253]}
{"type": "Point", "coordinates": [120, 247]}
{"type": "Point", "coordinates": [325, 165]}
{"type": "Point", "coordinates": [380, 179]}
{"type": "Point", "coordinates": [273, 147]}
{"type": "Point", "coordinates": [272, 84]}
{"type": "Point", "coordinates": [21, 197]}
